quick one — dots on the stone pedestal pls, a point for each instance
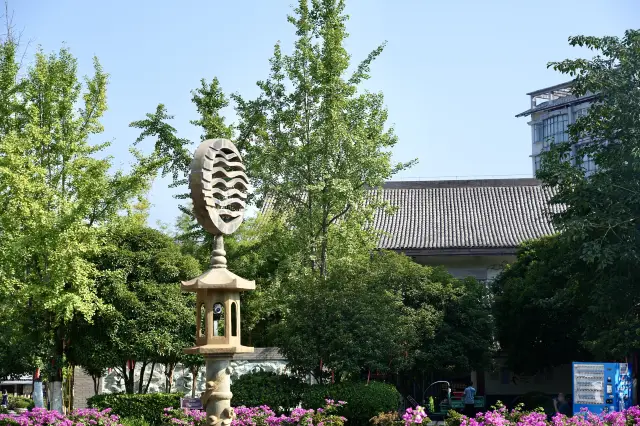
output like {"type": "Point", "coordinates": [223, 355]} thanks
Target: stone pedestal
{"type": "Point", "coordinates": [216, 399]}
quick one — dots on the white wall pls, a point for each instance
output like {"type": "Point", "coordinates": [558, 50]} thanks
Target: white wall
{"type": "Point", "coordinates": [461, 266]}
{"type": "Point", "coordinates": [182, 377]}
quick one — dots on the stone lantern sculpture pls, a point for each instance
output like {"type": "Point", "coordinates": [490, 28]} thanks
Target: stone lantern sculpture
{"type": "Point", "coordinates": [219, 188]}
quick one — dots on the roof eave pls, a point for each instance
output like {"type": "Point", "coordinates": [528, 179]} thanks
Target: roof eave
{"type": "Point", "coordinates": [457, 251]}
{"type": "Point", "coordinates": [554, 107]}
{"type": "Point", "coordinates": [560, 86]}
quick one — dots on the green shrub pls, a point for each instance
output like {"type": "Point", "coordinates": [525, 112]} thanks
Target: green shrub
{"type": "Point", "coordinates": [431, 405]}
{"type": "Point", "coordinates": [280, 392]}
{"type": "Point", "coordinates": [135, 421]}
{"type": "Point", "coordinates": [453, 418]}
{"type": "Point", "coordinates": [20, 402]}
{"type": "Point", "coordinates": [149, 406]}
{"type": "Point", "coordinates": [363, 401]}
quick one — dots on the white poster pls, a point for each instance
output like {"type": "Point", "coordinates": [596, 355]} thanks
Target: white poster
{"type": "Point", "coordinates": [588, 382]}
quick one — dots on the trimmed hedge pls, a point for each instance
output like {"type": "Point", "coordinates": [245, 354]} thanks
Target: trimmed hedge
{"type": "Point", "coordinates": [17, 402]}
{"type": "Point", "coordinates": [149, 406]}
{"type": "Point", "coordinates": [364, 401]}
{"type": "Point", "coordinates": [280, 392]}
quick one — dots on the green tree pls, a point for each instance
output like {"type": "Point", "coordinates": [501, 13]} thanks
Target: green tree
{"type": "Point", "coordinates": [463, 338]}
{"type": "Point", "coordinates": [90, 345]}
{"type": "Point", "coordinates": [209, 101]}
{"type": "Point", "coordinates": [599, 212]}
{"type": "Point", "coordinates": [346, 322]}
{"type": "Point", "coordinates": [56, 191]}
{"type": "Point", "coordinates": [538, 308]}
{"type": "Point", "coordinates": [386, 313]}
{"type": "Point", "coordinates": [451, 317]}
{"type": "Point", "coordinates": [314, 144]}
{"type": "Point", "coordinates": [146, 317]}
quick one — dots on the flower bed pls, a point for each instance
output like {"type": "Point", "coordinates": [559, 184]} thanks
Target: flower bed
{"type": "Point", "coordinates": [262, 416]}
{"type": "Point", "coordinates": [40, 416]}
{"type": "Point", "coordinates": [500, 416]}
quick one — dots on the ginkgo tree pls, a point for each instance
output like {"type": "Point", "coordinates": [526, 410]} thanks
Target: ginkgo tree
{"type": "Point", "coordinates": [315, 141]}
{"type": "Point", "coordinates": [57, 188]}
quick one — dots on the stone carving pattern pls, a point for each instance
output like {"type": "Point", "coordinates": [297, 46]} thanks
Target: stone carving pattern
{"type": "Point", "coordinates": [219, 186]}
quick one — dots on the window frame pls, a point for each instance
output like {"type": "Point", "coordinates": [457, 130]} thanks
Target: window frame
{"type": "Point", "coordinates": [555, 129]}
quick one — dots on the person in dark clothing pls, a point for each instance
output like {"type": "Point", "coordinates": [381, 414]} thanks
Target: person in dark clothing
{"type": "Point", "coordinates": [5, 398]}
{"type": "Point", "coordinates": [561, 405]}
{"type": "Point", "coordinates": [469, 400]}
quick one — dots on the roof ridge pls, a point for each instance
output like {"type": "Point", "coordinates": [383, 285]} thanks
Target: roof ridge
{"type": "Point", "coordinates": [462, 183]}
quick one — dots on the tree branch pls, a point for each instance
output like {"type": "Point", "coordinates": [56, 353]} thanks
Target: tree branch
{"type": "Point", "coordinates": [342, 213]}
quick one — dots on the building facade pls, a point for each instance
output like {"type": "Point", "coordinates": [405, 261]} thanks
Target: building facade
{"type": "Point", "coordinates": [18, 386]}
{"type": "Point", "coordinates": [551, 112]}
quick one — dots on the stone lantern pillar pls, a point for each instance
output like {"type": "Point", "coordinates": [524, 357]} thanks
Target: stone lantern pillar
{"type": "Point", "coordinates": [219, 189]}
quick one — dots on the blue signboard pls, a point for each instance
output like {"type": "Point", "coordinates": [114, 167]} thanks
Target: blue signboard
{"type": "Point", "coordinates": [601, 387]}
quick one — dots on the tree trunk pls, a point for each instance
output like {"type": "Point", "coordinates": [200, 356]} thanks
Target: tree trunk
{"type": "Point", "coordinates": [169, 368]}
{"type": "Point", "coordinates": [153, 366]}
{"type": "Point", "coordinates": [128, 379]}
{"type": "Point", "coordinates": [56, 398]}
{"type": "Point", "coordinates": [132, 380]}
{"type": "Point", "coordinates": [38, 395]}
{"type": "Point", "coordinates": [195, 369]}
{"type": "Point", "coordinates": [72, 381]}
{"type": "Point", "coordinates": [141, 381]}
{"type": "Point", "coordinates": [324, 236]}
{"type": "Point", "coordinates": [96, 384]}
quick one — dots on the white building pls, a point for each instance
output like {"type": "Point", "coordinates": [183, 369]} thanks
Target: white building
{"type": "Point", "coordinates": [552, 110]}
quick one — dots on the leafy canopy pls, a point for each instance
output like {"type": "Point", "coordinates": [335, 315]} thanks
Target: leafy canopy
{"type": "Point", "coordinates": [585, 279]}
{"type": "Point", "coordinates": [56, 191]}
{"type": "Point", "coordinates": [146, 317]}
{"type": "Point", "coordinates": [386, 313]}
{"type": "Point", "coordinates": [314, 143]}
{"type": "Point", "coordinates": [602, 210]}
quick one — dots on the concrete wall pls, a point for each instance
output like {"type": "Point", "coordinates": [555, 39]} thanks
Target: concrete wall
{"type": "Point", "coordinates": [82, 388]}
{"type": "Point", "coordinates": [501, 381]}
{"type": "Point", "coordinates": [183, 379]}
{"type": "Point", "coordinates": [484, 268]}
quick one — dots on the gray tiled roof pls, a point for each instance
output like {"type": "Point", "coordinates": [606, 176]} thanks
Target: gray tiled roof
{"type": "Point", "coordinates": [471, 214]}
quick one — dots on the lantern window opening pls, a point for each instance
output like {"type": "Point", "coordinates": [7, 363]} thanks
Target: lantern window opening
{"type": "Point", "coordinates": [202, 320]}
{"type": "Point", "coordinates": [234, 319]}
{"type": "Point", "coordinates": [218, 319]}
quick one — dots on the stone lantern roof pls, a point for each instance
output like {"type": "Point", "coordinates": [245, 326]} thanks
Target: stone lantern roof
{"type": "Point", "coordinates": [218, 279]}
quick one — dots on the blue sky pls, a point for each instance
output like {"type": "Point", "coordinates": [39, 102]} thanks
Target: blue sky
{"type": "Point", "coordinates": [454, 72]}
